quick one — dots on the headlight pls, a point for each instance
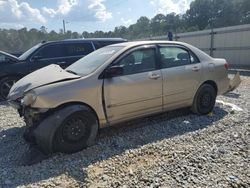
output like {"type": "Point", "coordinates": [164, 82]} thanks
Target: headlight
{"type": "Point", "coordinates": [28, 99]}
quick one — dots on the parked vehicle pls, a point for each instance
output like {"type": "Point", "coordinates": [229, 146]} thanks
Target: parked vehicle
{"type": "Point", "coordinates": [117, 83]}
{"type": "Point", "coordinates": [63, 53]}
{"type": "Point", "coordinates": [6, 57]}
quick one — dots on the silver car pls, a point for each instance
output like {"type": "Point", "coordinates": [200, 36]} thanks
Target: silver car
{"type": "Point", "coordinates": [64, 109]}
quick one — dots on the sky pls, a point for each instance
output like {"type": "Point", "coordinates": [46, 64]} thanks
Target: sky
{"type": "Point", "coordinates": [83, 15]}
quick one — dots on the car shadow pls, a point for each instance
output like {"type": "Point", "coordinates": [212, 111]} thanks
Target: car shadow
{"type": "Point", "coordinates": [111, 141]}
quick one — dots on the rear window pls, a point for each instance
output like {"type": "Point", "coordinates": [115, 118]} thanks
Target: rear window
{"type": "Point", "coordinates": [78, 49]}
{"type": "Point", "coordinates": [100, 44]}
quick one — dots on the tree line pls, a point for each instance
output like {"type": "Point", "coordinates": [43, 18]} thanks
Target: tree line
{"type": "Point", "coordinates": [202, 14]}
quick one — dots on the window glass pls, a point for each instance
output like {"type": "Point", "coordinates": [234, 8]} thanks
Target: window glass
{"type": "Point", "coordinates": [26, 54]}
{"type": "Point", "coordinates": [106, 43]}
{"type": "Point", "coordinates": [138, 61]}
{"type": "Point", "coordinates": [97, 44]}
{"type": "Point", "coordinates": [93, 61]}
{"type": "Point", "coordinates": [174, 56]}
{"type": "Point", "coordinates": [51, 51]}
{"type": "Point", "coordinates": [78, 49]}
{"type": "Point", "coordinates": [194, 58]}
{"type": "Point", "coordinates": [100, 44]}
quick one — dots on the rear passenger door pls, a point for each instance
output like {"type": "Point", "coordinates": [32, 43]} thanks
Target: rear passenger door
{"type": "Point", "coordinates": [181, 71]}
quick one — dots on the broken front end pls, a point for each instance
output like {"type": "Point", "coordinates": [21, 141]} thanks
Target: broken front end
{"type": "Point", "coordinates": [32, 117]}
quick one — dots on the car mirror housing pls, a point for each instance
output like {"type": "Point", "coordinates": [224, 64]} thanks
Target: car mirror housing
{"type": "Point", "coordinates": [113, 71]}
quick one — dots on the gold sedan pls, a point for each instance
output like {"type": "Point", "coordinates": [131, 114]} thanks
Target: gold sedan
{"type": "Point", "coordinates": [64, 109]}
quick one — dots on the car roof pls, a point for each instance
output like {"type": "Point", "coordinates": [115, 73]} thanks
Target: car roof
{"type": "Point", "coordinates": [96, 39]}
{"type": "Point", "coordinates": [127, 45]}
{"type": "Point", "coordinates": [138, 43]}
{"type": "Point", "coordinates": [85, 40]}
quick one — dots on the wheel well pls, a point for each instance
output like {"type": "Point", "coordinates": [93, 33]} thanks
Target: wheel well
{"type": "Point", "coordinates": [212, 83]}
{"type": "Point", "coordinates": [77, 103]}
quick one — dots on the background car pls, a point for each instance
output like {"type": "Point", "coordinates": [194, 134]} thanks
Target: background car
{"type": "Point", "coordinates": [63, 53]}
{"type": "Point", "coordinates": [114, 84]}
{"type": "Point", "coordinates": [6, 57]}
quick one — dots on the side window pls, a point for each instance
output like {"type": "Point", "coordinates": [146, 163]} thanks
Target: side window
{"type": "Point", "coordinates": [50, 51]}
{"type": "Point", "coordinates": [174, 56]}
{"type": "Point", "coordinates": [97, 44]}
{"type": "Point", "coordinates": [78, 49]}
{"type": "Point", "coordinates": [138, 61]}
{"type": "Point", "coordinates": [105, 43]}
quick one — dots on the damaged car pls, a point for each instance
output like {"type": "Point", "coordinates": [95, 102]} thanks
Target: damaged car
{"type": "Point", "coordinates": [64, 111]}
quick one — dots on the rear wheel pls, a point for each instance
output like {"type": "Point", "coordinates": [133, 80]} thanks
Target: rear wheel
{"type": "Point", "coordinates": [75, 132]}
{"type": "Point", "coordinates": [5, 86]}
{"type": "Point", "coordinates": [204, 100]}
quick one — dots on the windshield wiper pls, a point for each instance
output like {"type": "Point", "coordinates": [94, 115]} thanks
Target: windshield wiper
{"type": "Point", "coordinates": [72, 72]}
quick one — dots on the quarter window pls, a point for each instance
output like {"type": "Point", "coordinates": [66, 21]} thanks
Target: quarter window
{"type": "Point", "coordinates": [174, 56]}
{"type": "Point", "coordinates": [138, 61]}
{"type": "Point", "coordinates": [101, 44]}
{"type": "Point", "coordinates": [194, 59]}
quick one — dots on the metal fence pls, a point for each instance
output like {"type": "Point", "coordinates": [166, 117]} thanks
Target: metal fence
{"type": "Point", "coordinates": [231, 43]}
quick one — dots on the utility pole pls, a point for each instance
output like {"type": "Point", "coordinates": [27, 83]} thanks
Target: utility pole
{"type": "Point", "coordinates": [64, 30]}
{"type": "Point", "coordinates": [212, 18]}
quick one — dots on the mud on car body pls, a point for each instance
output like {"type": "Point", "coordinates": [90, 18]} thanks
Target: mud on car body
{"type": "Point", "coordinates": [114, 84]}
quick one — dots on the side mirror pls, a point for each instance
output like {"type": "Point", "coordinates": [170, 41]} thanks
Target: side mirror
{"type": "Point", "coordinates": [113, 71]}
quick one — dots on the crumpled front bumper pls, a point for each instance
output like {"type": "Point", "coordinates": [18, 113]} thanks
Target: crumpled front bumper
{"type": "Point", "coordinates": [234, 83]}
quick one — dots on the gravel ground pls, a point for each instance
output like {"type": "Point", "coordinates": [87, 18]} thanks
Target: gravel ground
{"type": "Point", "coordinates": [175, 149]}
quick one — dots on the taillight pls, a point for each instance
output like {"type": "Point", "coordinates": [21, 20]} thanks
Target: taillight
{"type": "Point", "coordinates": [226, 66]}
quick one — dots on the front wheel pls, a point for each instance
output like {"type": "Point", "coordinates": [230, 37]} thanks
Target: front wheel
{"type": "Point", "coordinates": [75, 132]}
{"type": "Point", "coordinates": [5, 86]}
{"type": "Point", "coordinates": [204, 100]}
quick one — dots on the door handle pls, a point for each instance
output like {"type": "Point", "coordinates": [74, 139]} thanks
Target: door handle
{"type": "Point", "coordinates": [154, 76]}
{"type": "Point", "coordinates": [196, 69]}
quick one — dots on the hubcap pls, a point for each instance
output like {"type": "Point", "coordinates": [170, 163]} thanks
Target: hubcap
{"type": "Point", "coordinates": [5, 88]}
{"type": "Point", "coordinates": [74, 130]}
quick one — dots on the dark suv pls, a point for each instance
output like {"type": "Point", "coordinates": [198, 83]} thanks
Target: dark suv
{"type": "Point", "coordinates": [63, 53]}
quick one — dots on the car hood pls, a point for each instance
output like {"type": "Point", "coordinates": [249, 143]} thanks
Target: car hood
{"type": "Point", "coordinates": [45, 76]}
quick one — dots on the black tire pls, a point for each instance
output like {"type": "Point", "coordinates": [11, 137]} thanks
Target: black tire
{"type": "Point", "coordinates": [75, 132]}
{"type": "Point", "coordinates": [5, 86]}
{"type": "Point", "coordinates": [204, 100]}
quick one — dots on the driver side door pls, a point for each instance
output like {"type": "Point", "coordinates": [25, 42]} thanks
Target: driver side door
{"type": "Point", "coordinates": [138, 90]}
